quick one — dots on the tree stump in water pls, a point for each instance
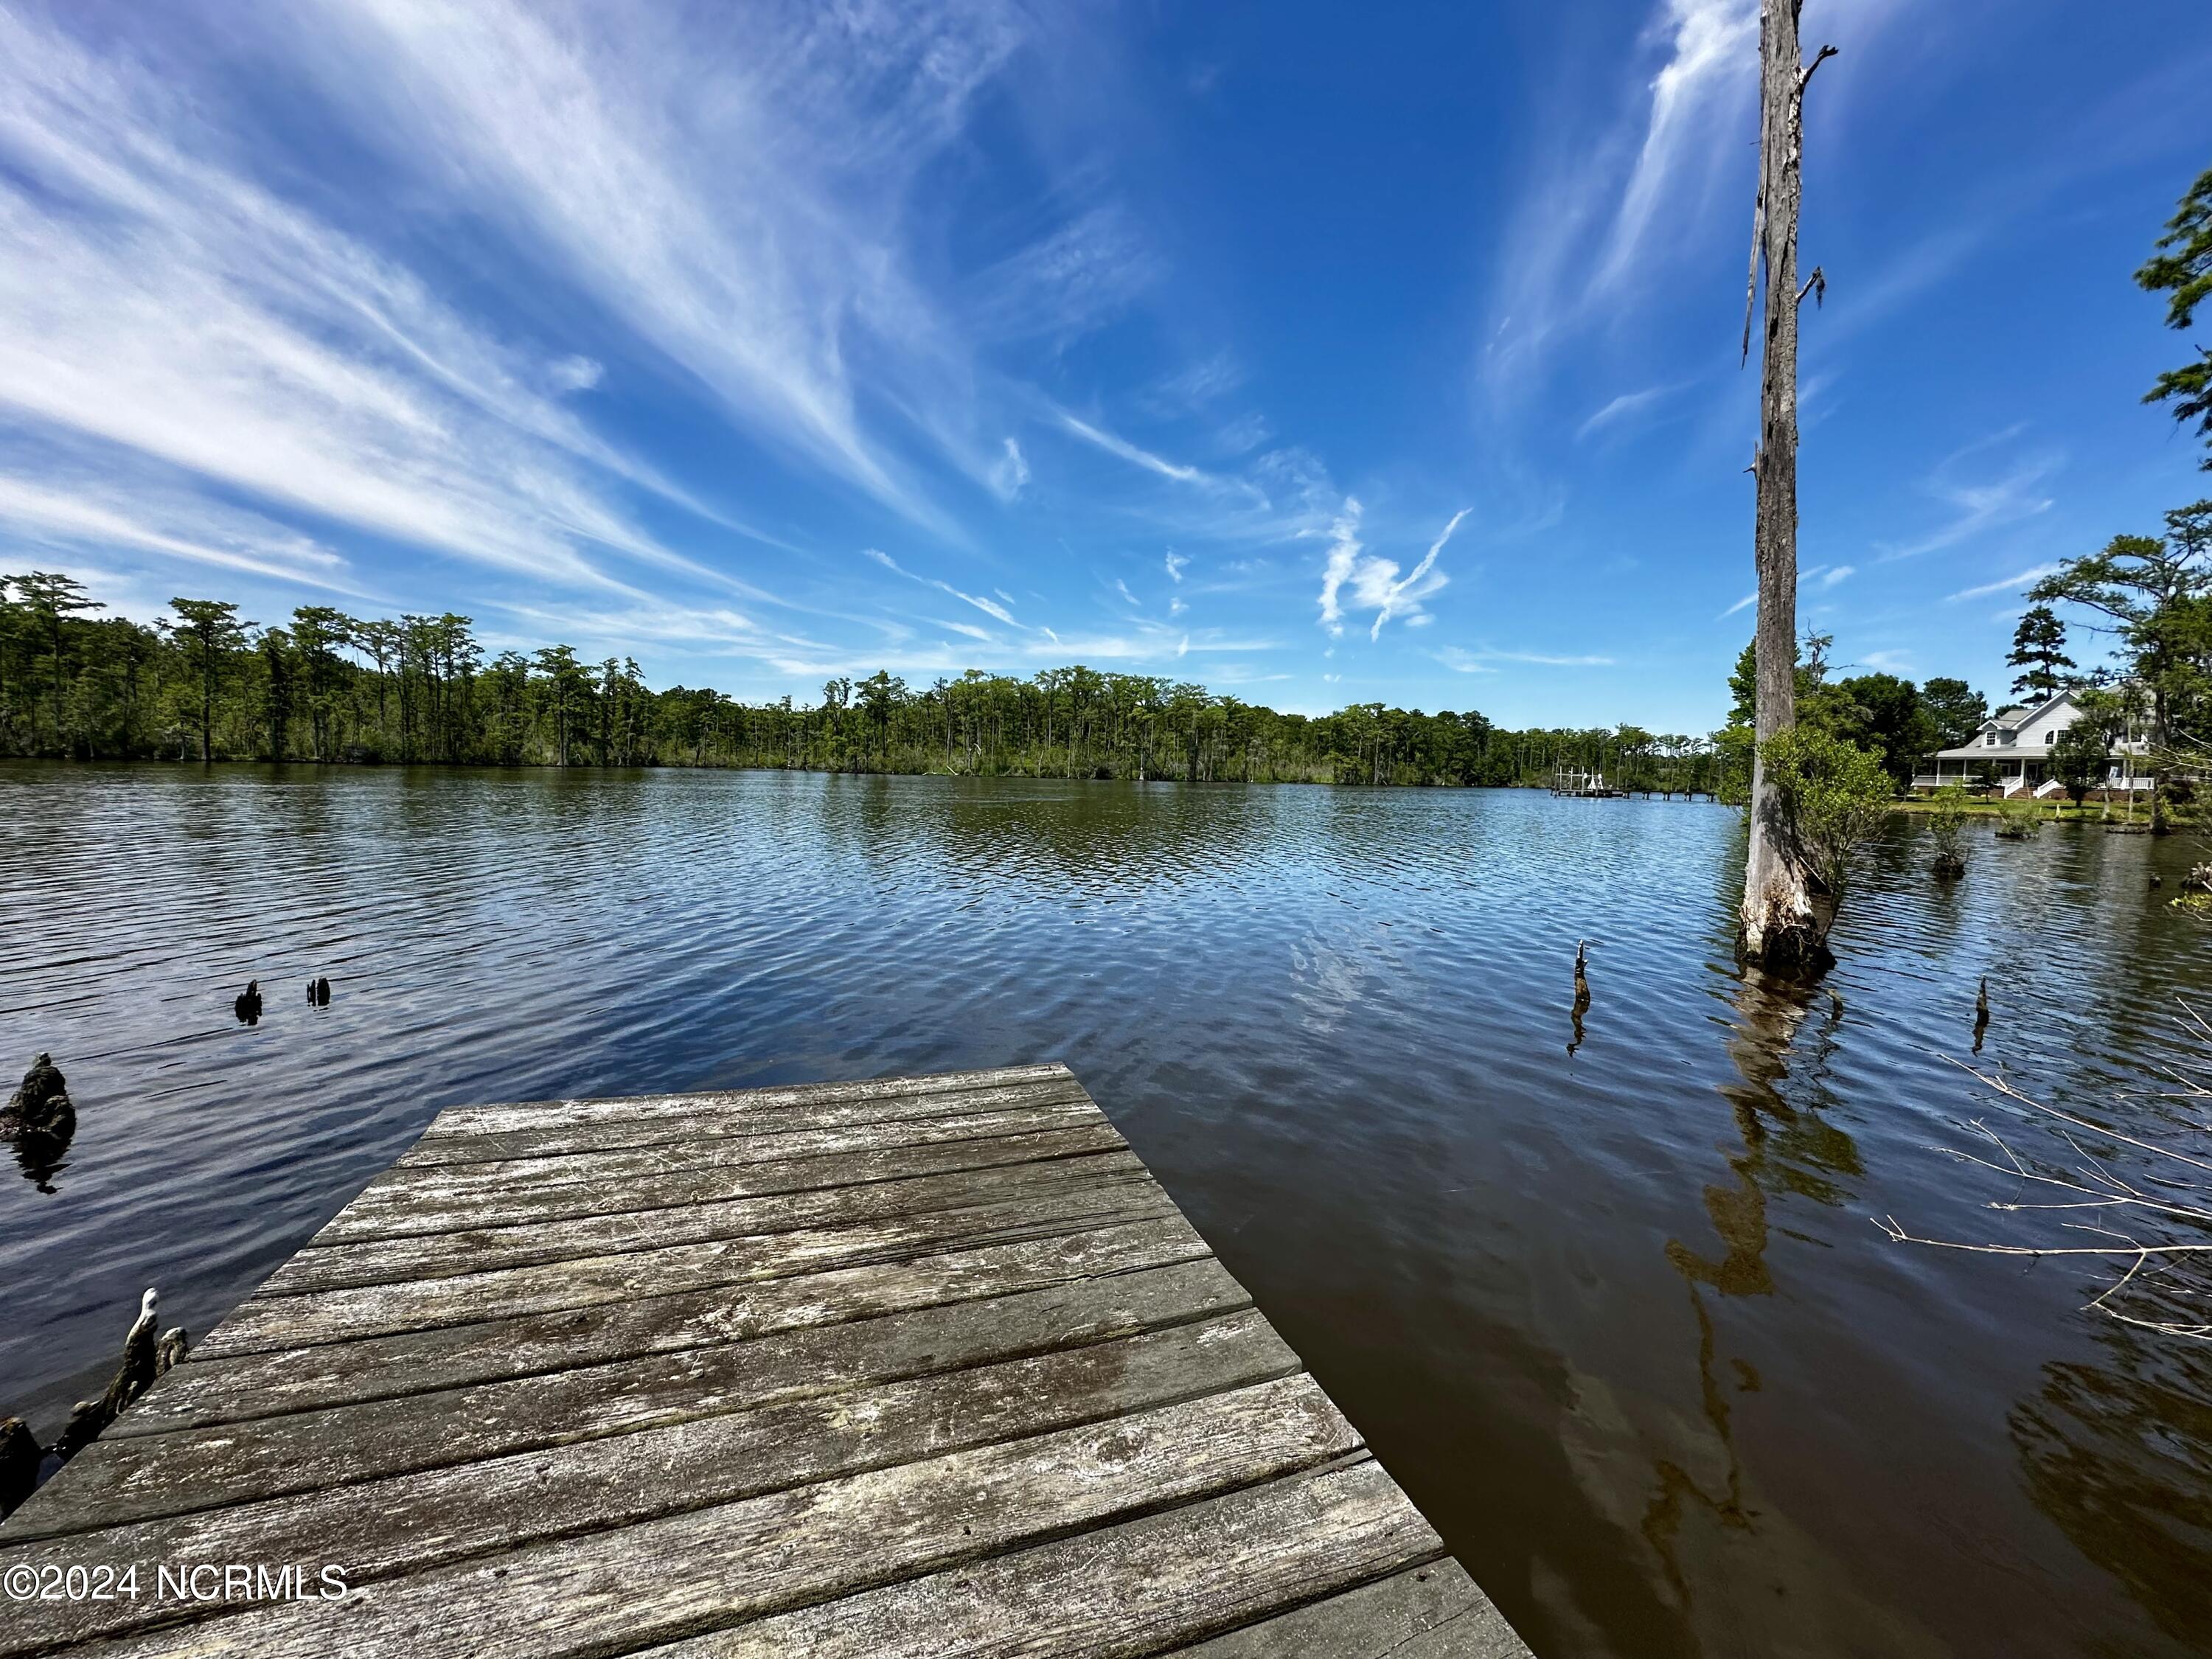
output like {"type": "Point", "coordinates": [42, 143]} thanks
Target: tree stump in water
{"type": "Point", "coordinates": [142, 1363]}
{"type": "Point", "coordinates": [40, 1121]}
{"type": "Point", "coordinates": [40, 1104]}
{"type": "Point", "coordinates": [20, 1457]}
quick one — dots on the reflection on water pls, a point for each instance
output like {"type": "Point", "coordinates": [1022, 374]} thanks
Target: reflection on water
{"type": "Point", "coordinates": [1616, 1317]}
{"type": "Point", "coordinates": [2119, 1454]}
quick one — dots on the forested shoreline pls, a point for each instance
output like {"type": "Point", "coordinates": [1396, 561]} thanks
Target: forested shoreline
{"type": "Point", "coordinates": [207, 684]}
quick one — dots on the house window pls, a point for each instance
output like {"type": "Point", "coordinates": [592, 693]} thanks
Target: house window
{"type": "Point", "coordinates": [2051, 737]}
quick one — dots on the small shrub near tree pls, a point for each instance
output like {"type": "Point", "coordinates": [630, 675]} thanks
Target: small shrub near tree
{"type": "Point", "coordinates": [1831, 798]}
{"type": "Point", "coordinates": [1946, 828]}
{"type": "Point", "coordinates": [2078, 759]}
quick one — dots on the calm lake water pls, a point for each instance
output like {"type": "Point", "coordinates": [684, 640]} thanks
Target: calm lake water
{"type": "Point", "coordinates": [1618, 1318]}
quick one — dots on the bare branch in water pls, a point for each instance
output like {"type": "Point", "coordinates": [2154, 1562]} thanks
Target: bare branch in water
{"type": "Point", "coordinates": [2164, 1193]}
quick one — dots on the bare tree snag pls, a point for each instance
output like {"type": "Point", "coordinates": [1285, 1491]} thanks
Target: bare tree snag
{"type": "Point", "coordinates": [1783, 930]}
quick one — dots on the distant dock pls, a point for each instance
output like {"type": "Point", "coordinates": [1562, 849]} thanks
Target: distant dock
{"type": "Point", "coordinates": [1582, 783]}
{"type": "Point", "coordinates": [860, 1370]}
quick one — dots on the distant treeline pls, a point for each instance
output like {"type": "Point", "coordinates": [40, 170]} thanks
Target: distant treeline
{"type": "Point", "coordinates": [334, 688]}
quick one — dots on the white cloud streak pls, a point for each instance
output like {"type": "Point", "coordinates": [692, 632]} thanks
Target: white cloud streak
{"type": "Point", "coordinates": [1621, 408]}
{"type": "Point", "coordinates": [163, 316]}
{"type": "Point", "coordinates": [1712, 54]}
{"type": "Point", "coordinates": [229, 540]}
{"type": "Point", "coordinates": [1375, 583]}
{"type": "Point", "coordinates": [1980, 505]}
{"type": "Point", "coordinates": [990, 608]}
{"type": "Point", "coordinates": [1131, 453]}
{"type": "Point", "coordinates": [2015, 584]}
{"type": "Point", "coordinates": [1010, 475]}
{"type": "Point", "coordinates": [727, 206]}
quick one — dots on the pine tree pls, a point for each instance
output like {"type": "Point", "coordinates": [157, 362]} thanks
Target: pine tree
{"type": "Point", "coordinates": [2039, 649]}
{"type": "Point", "coordinates": [2183, 268]}
{"type": "Point", "coordinates": [207, 631]}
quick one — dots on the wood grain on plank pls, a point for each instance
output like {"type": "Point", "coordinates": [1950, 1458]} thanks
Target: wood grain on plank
{"type": "Point", "coordinates": [403, 1184]}
{"type": "Point", "coordinates": [263, 1322]}
{"type": "Point", "coordinates": [681, 1574]}
{"type": "Point", "coordinates": [204, 1391]}
{"type": "Point", "coordinates": [615, 1133]}
{"type": "Point", "coordinates": [128, 1479]}
{"type": "Point", "coordinates": [1120, 1592]}
{"type": "Point", "coordinates": [414, 1522]}
{"type": "Point", "coordinates": [538, 1114]}
{"type": "Point", "coordinates": [890, 1368]}
{"type": "Point", "coordinates": [416, 1214]}
{"type": "Point", "coordinates": [340, 1267]}
{"type": "Point", "coordinates": [1431, 1611]}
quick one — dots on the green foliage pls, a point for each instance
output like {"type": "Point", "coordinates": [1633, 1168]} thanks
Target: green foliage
{"type": "Point", "coordinates": [1956, 709]}
{"type": "Point", "coordinates": [2017, 820]}
{"type": "Point", "coordinates": [1812, 664]}
{"type": "Point", "coordinates": [47, 600]}
{"type": "Point", "coordinates": [1880, 713]}
{"type": "Point", "coordinates": [1887, 716]}
{"type": "Point", "coordinates": [2157, 593]}
{"type": "Point", "coordinates": [1946, 828]}
{"type": "Point", "coordinates": [2039, 650]}
{"type": "Point", "coordinates": [2183, 268]}
{"type": "Point", "coordinates": [1832, 797]}
{"type": "Point", "coordinates": [208, 633]}
{"type": "Point", "coordinates": [2078, 758]}
{"type": "Point", "coordinates": [336, 687]}
{"type": "Point", "coordinates": [1743, 686]}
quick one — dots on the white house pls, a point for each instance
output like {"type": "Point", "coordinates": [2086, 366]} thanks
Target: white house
{"type": "Point", "coordinates": [2011, 753]}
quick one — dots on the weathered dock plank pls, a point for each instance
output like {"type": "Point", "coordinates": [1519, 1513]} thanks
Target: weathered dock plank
{"type": "Point", "coordinates": [417, 1362]}
{"type": "Point", "coordinates": [390, 1261]}
{"type": "Point", "coordinates": [904, 1367]}
{"type": "Point", "coordinates": [413, 1215]}
{"type": "Point", "coordinates": [730, 1117]}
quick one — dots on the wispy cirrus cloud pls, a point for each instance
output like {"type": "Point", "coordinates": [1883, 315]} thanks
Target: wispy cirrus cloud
{"type": "Point", "coordinates": [1621, 408]}
{"type": "Point", "coordinates": [1978, 505]}
{"type": "Point", "coordinates": [1113, 445]}
{"type": "Point", "coordinates": [1712, 49]}
{"type": "Point", "coordinates": [1820, 576]}
{"type": "Point", "coordinates": [1462, 661]}
{"type": "Point", "coordinates": [989, 607]}
{"type": "Point", "coordinates": [1075, 278]}
{"type": "Point", "coordinates": [1486, 661]}
{"type": "Point", "coordinates": [1375, 582]}
{"type": "Point", "coordinates": [1583, 229]}
{"type": "Point", "coordinates": [174, 524]}
{"type": "Point", "coordinates": [1010, 474]}
{"type": "Point", "coordinates": [727, 207]}
{"type": "Point", "coordinates": [1204, 382]}
{"type": "Point", "coordinates": [2014, 584]}
{"type": "Point", "coordinates": [164, 318]}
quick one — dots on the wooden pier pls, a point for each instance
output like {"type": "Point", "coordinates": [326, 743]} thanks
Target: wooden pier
{"type": "Point", "coordinates": [911, 1367]}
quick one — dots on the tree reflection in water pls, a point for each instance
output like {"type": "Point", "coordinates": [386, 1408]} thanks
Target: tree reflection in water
{"type": "Point", "coordinates": [1787, 1148]}
{"type": "Point", "coordinates": [2120, 1457]}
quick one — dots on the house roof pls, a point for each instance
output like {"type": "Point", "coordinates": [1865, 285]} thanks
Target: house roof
{"type": "Point", "coordinates": [2012, 720]}
{"type": "Point", "coordinates": [2016, 716]}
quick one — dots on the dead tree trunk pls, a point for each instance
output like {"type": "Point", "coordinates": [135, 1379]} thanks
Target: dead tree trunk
{"type": "Point", "coordinates": [1782, 930]}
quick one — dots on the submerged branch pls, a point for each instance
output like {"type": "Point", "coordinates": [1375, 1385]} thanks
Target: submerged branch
{"type": "Point", "coordinates": [2167, 1264]}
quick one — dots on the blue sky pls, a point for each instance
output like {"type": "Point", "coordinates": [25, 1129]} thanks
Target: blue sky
{"type": "Point", "coordinates": [1321, 354]}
